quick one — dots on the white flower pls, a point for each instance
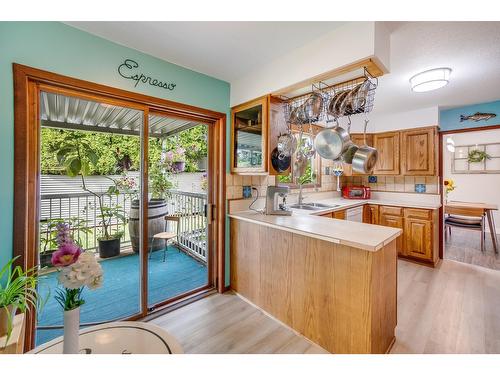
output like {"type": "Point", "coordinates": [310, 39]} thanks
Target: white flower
{"type": "Point", "coordinates": [86, 271]}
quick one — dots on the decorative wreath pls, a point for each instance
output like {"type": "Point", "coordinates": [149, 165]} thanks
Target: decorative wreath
{"type": "Point", "coordinates": [477, 156]}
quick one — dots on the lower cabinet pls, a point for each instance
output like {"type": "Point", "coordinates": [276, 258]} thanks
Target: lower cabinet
{"type": "Point", "coordinates": [420, 238]}
{"type": "Point", "coordinates": [370, 214]}
{"type": "Point", "coordinates": [392, 217]}
{"type": "Point", "coordinates": [335, 215]}
{"type": "Point", "coordinates": [339, 215]}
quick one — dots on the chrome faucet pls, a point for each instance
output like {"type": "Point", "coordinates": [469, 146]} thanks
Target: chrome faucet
{"type": "Point", "coordinates": [301, 197]}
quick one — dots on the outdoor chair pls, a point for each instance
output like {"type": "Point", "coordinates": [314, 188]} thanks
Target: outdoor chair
{"type": "Point", "coordinates": [167, 236]}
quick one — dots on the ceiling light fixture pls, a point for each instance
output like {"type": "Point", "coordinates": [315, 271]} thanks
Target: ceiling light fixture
{"type": "Point", "coordinates": [429, 80]}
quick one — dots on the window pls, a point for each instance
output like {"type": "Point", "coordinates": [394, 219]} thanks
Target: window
{"type": "Point", "coordinates": [311, 176]}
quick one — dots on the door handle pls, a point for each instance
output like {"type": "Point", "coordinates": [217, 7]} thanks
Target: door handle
{"type": "Point", "coordinates": [209, 212]}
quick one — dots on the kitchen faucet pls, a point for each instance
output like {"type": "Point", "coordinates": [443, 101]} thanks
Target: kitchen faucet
{"type": "Point", "coordinates": [301, 197]}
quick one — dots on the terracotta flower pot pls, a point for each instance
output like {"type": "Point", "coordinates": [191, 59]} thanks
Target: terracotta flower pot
{"type": "Point", "coordinates": [6, 315]}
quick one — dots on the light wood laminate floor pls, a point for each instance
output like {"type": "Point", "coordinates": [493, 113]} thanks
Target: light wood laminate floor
{"type": "Point", "coordinates": [454, 308]}
{"type": "Point", "coordinates": [465, 246]}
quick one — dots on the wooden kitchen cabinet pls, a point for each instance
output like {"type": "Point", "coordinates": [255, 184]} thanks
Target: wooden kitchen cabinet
{"type": "Point", "coordinates": [387, 145]}
{"type": "Point", "coordinates": [335, 215]}
{"type": "Point", "coordinates": [417, 238]}
{"type": "Point", "coordinates": [370, 214]}
{"type": "Point", "coordinates": [339, 215]}
{"type": "Point", "coordinates": [393, 217]}
{"type": "Point", "coordinates": [421, 234]}
{"type": "Point", "coordinates": [418, 152]}
{"type": "Point", "coordinates": [249, 137]}
{"type": "Point", "coordinates": [358, 139]}
{"type": "Point", "coordinates": [420, 238]}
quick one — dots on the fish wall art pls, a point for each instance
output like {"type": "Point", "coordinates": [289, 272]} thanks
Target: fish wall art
{"type": "Point", "coordinates": [478, 116]}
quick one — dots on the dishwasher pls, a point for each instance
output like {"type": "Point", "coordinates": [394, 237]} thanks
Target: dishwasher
{"type": "Point", "coordinates": [354, 214]}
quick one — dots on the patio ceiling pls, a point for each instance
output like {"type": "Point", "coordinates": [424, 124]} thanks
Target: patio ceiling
{"type": "Point", "coordinates": [66, 112]}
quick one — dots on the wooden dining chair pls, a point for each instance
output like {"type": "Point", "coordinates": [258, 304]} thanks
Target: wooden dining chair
{"type": "Point", "coordinates": [467, 218]}
{"type": "Point", "coordinates": [167, 236]}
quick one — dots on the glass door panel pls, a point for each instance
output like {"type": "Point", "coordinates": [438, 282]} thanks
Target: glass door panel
{"type": "Point", "coordinates": [93, 201]}
{"type": "Point", "coordinates": [178, 186]}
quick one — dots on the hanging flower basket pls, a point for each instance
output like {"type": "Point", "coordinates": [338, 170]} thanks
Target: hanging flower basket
{"type": "Point", "coordinates": [178, 166]}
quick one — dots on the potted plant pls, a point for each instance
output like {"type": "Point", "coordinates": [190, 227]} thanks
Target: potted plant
{"type": "Point", "coordinates": [49, 229]}
{"type": "Point", "coordinates": [109, 241]}
{"type": "Point", "coordinates": [177, 159]}
{"type": "Point", "coordinates": [17, 292]}
{"type": "Point", "coordinates": [76, 155]}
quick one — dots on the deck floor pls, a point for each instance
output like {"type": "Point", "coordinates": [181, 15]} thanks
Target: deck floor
{"type": "Point", "coordinates": [119, 295]}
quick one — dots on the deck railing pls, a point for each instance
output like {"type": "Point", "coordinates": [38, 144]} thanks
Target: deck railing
{"type": "Point", "coordinates": [189, 206]}
{"type": "Point", "coordinates": [193, 222]}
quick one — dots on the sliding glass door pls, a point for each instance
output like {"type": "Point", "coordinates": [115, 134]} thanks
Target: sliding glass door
{"type": "Point", "coordinates": [93, 157]}
{"type": "Point", "coordinates": [90, 182]}
{"type": "Point", "coordinates": [178, 260]}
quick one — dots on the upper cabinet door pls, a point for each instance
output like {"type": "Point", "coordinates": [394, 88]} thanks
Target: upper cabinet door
{"type": "Point", "coordinates": [249, 137]}
{"type": "Point", "coordinates": [418, 152]}
{"type": "Point", "coordinates": [387, 145]}
{"type": "Point", "coordinates": [359, 139]}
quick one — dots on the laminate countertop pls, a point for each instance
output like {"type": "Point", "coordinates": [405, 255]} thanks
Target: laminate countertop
{"type": "Point", "coordinates": [309, 223]}
{"type": "Point", "coordinates": [359, 235]}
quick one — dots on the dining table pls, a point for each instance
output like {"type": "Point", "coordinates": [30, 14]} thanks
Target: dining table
{"type": "Point", "coordinates": [476, 209]}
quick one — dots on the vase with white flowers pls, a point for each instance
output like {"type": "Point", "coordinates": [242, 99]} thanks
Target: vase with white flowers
{"type": "Point", "coordinates": [77, 269]}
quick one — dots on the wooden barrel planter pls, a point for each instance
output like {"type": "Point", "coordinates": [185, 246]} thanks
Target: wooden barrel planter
{"type": "Point", "coordinates": [157, 209]}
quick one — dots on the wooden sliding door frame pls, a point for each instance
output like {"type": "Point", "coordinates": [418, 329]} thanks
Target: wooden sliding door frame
{"type": "Point", "coordinates": [28, 82]}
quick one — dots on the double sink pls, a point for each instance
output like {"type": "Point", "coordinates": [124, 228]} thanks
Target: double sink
{"type": "Point", "coordinates": [313, 206]}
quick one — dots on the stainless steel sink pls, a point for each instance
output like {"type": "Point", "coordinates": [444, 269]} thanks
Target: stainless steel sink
{"type": "Point", "coordinates": [304, 207]}
{"type": "Point", "coordinates": [313, 206]}
{"type": "Point", "coordinates": [322, 205]}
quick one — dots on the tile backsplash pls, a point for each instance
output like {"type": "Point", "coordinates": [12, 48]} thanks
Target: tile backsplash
{"type": "Point", "coordinates": [406, 184]}
{"type": "Point", "coordinates": [235, 183]}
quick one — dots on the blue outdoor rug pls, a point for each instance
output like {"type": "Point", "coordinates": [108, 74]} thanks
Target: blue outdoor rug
{"type": "Point", "coordinates": [119, 295]}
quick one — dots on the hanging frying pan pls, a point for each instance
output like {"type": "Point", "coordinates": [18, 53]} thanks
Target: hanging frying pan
{"type": "Point", "coordinates": [279, 161]}
{"type": "Point", "coordinates": [331, 143]}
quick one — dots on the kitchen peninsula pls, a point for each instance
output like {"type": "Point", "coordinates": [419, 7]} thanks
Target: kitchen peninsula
{"type": "Point", "coordinates": [333, 281]}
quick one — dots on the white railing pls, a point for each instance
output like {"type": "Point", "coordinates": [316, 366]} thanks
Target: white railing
{"type": "Point", "coordinates": [189, 206]}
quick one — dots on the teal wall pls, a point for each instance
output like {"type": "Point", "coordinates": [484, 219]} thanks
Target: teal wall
{"type": "Point", "coordinates": [449, 119]}
{"type": "Point", "coordinates": [62, 49]}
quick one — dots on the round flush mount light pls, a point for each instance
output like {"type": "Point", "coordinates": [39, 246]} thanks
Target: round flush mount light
{"type": "Point", "coordinates": [429, 80]}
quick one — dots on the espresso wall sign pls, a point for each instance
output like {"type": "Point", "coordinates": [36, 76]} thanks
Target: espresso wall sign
{"type": "Point", "coordinates": [129, 70]}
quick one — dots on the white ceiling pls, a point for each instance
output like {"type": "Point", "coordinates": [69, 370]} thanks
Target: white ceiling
{"type": "Point", "coordinates": [225, 50]}
{"type": "Point", "coordinates": [471, 49]}
{"type": "Point", "coordinates": [228, 50]}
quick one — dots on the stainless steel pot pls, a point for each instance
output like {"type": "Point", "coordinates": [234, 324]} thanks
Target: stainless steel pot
{"type": "Point", "coordinates": [331, 143]}
{"type": "Point", "coordinates": [365, 158]}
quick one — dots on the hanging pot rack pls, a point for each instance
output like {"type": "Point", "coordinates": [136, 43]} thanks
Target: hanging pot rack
{"type": "Point", "coordinates": [357, 96]}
